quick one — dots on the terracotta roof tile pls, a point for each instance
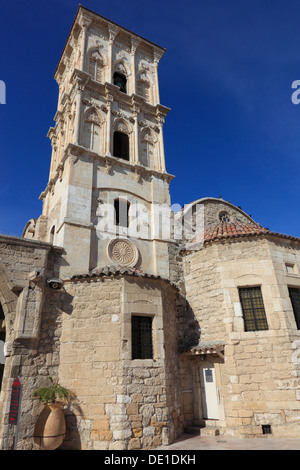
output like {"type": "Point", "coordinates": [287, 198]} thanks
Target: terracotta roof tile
{"type": "Point", "coordinates": [232, 230]}
{"type": "Point", "coordinates": [102, 271]}
{"type": "Point", "coordinates": [224, 230]}
{"type": "Point", "coordinates": [112, 271]}
{"type": "Point", "coordinates": [207, 347]}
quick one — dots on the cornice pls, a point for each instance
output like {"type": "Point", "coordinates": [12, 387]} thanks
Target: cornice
{"type": "Point", "coordinates": [28, 243]}
{"type": "Point", "coordinates": [108, 90]}
{"type": "Point", "coordinates": [76, 151]}
{"type": "Point", "coordinates": [84, 14]}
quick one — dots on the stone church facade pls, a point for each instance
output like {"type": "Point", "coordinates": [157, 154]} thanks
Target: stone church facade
{"type": "Point", "coordinates": [158, 322]}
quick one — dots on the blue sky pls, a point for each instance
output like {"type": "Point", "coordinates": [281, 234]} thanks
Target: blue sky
{"type": "Point", "coordinates": [227, 74]}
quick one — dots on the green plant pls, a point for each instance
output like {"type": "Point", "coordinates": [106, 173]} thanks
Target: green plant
{"type": "Point", "coordinates": [53, 394]}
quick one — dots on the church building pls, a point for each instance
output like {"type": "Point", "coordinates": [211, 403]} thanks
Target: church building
{"type": "Point", "coordinates": [159, 322]}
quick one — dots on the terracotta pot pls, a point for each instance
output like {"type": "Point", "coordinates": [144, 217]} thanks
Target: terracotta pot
{"type": "Point", "coordinates": [50, 428]}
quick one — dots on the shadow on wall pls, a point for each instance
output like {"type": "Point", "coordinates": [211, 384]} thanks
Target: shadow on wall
{"type": "Point", "coordinates": [72, 440]}
{"type": "Point", "coordinates": [189, 330]}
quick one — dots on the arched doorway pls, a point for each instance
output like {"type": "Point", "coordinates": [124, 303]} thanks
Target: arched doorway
{"type": "Point", "coordinates": [2, 341]}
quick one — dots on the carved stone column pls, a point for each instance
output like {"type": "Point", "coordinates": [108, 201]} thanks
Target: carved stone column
{"type": "Point", "coordinates": [112, 31]}
{"type": "Point", "coordinates": [157, 56]}
{"type": "Point", "coordinates": [78, 101]}
{"type": "Point", "coordinates": [85, 23]}
{"type": "Point", "coordinates": [109, 102]}
{"type": "Point", "coordinates": [134, 46]}
{"type": "Point", "coordinates": [135, 111]}
{"type": "Point", "coordinates": [161, 154]}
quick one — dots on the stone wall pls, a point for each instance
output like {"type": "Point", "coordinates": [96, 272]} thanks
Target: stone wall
{"type": "Point", "coordinates": [24, 268]}
{"type": "Point", "coordinates": [121, 403]}
{"type": "Point", "coordinates": [213, 209]}
{"type": "Point", "coordinates": [81, 336]}
{"type": "Point", "coordinates": [258, 381]}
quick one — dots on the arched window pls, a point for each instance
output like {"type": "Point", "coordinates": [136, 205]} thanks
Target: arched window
{"type": "Point", "coordinates": [2, 341]}
{"type": "Point", "coordinates": [121, 81]}
{"type": "Point", "coordinates": [96, 66]}
{"type": "Point", "coordinates": [121, 145]}
{"type": "Point", "coordinates": [121, 207]}
{"type": "Point", "coordinates": [52, 233]}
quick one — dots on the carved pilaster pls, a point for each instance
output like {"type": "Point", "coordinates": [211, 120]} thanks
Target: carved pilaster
{"type": "Point", "coordinates": [85, 22]}
{"type": "Point", "coordinates": [78, 101]}
{"type": "Point", "coordinates": [112, 33]}
{"type": "Point", "coordinates": [136, 107]}
{"type": "Point", "coordinates": [109, 102]}
{"type": "Point", "coordinates": [157, 55]}
{"type": "Point", "coordinates": [134, 45]}
{"type": "Point", "coordinates": [160, 120]}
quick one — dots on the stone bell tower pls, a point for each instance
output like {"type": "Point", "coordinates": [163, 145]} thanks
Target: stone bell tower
{"type": "Point", "coordinates": [107, 200]}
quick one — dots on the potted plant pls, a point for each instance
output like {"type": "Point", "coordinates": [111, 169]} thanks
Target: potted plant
{"type": "Point", "coordinates": [50, 428]}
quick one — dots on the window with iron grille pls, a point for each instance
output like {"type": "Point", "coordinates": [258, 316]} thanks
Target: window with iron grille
{"type": "Point", "coordinates": [253, 309]}
{"type": "Point", "coordinates": [141, 337]}
{"type": "Point", "coordinates": [295, 299]}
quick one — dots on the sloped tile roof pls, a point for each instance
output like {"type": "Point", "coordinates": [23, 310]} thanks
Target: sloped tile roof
{"type": "Point", "coordinates": [207, 347]}
{"type": "Point", "coordinates": [232, 230]}
{"type": "Point", "coordinates": [229, 230]}
{"type": "Point", "coordinates": [112, 271]}
{"type": "Point", "coordinates": [118, 271]}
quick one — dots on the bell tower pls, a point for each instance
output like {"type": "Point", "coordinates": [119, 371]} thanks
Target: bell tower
{"type": "Point", "coordinates": [107, 201]}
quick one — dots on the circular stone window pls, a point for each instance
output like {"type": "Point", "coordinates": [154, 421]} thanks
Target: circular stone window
{"type": "Point", "coordinates": [224, 217]}
{"type": "Point", "coordinates": [123, 252]}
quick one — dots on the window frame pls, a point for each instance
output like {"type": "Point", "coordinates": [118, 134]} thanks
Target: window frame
{"type": "Point", "coordinates": [222, 215]}
{"type": "Point", "coordinates": [121, 145]}
{"type": "Point", "coordinates": [119, 220]}
{"type": "Point", "coordinates": [139, 342]}
{"type": "Point", "coordinates": [123, 79]}
{"type": "Point", "coordinates": [295, 308]}
{"type": "Point", "coordinates": [291, 269]}
{"type": "Point", "coordinates": [257, 313]}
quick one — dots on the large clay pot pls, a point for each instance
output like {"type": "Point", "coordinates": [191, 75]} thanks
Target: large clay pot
{"type": "Point", "coordinates": [50, 428]}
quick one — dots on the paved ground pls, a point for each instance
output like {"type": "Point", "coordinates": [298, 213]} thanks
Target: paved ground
{"type": "Point", "coordinates": [190, 442]}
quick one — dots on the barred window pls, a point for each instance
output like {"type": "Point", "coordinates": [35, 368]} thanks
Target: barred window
{"type": "Point", "coordinates": [141, 337]}
{"type": "Point", "coordinates": [253, 309]}
{"type": "Point", "coordinates": [295, 299]}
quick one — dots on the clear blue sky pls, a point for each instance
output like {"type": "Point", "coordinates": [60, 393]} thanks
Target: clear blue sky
{"type": "Point", "coordinates": [227, 73]}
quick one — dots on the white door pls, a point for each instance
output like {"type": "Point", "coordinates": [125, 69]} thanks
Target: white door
{"type": "Point", "coordinates": [210, 402]}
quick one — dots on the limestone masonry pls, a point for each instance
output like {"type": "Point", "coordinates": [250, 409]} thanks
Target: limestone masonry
{"type": "Point", "coordinates": [158, 322]}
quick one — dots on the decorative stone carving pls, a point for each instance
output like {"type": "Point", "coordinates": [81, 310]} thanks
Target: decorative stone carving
{"type": "Point", "coordinates": [123, 252]}
{"type": "Point", "coordinates": [121, 126]}
{"type": "Point", "coordinates": [142, 77]}
{"type": "Point", "coordinates": [93, 117]}
{"type": "Point", "coordinates": [120, 67]}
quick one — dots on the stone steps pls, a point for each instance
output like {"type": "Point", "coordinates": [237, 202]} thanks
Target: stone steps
{"type": "Point", "coordinates": [205, 428]}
